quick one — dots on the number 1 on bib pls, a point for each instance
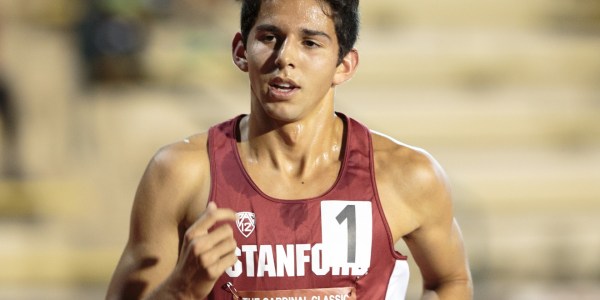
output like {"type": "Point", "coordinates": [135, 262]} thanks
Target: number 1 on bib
{"type": "Point", "coordinates": [347, 234]}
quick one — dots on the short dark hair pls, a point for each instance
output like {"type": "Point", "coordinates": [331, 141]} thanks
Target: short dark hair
{"type": "Point", "coordinates": [343, 12]}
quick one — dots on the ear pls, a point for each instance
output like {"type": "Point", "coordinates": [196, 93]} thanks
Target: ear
{"type": "Point", "coordinates": [346, 69]}
{"type": "Point", "coordinates": [238, 52]}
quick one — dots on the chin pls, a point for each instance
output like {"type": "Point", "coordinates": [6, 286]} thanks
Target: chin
{"type": "Point", "coordinates": [282, 114]}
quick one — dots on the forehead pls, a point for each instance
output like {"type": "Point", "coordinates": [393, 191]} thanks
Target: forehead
{"type": "Point", "coordinates": [309, 14]}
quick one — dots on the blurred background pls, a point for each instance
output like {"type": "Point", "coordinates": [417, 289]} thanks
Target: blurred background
{"type": "Point", "coordinates": [505, 94]}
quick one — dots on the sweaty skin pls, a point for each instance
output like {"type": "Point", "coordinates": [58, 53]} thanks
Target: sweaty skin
{"type": "Point", "coordinates": [291, 134]}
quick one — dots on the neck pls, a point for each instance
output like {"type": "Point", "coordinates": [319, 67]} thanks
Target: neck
{"type": "Point", "coordinates": [294, 148]}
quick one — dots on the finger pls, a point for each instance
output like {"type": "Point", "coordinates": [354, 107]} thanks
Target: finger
{"type": "Point", "coordinates": [209, 217]}
{"type": "Point", "coordinates": [215, 253]}
{"type": "Point", "coordinates": [217, 269]}
{"type": "Point", "coordinates": [211, 205]}
{"type": "Point", "coordinates": [208, 241]}
{"type": "Point", "coordinates": [212, 212]}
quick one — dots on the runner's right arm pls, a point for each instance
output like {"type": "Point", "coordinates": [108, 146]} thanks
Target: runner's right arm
{"type": "Point", "coordinates": [164, 258]}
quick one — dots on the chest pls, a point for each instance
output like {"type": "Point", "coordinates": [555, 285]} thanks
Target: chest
{"type": "Point", "coordinates": [288, 185]}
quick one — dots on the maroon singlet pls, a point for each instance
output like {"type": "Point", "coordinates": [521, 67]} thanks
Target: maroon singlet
{"type": "Point", "coordinates": [335, 246]}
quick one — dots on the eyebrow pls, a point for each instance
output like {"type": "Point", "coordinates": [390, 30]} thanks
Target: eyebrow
{"type": "Point", "coordinates": [310, 32]}
{"type": "Point", "coordinates": [305, 31]}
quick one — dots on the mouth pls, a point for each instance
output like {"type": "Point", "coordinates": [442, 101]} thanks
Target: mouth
{"type": "Point", "coordinates": [282, 88]}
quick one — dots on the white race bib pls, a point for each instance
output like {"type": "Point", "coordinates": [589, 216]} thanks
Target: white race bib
{"type": "Point", "coordinates": [347, 229]}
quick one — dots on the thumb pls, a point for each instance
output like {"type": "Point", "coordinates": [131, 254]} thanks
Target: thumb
{"type": "Point", "coordinates": [211, 206]}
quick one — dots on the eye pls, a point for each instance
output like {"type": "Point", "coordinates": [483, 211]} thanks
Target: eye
{"type": "Point", "coordinates": [311, 44]}
{"type": "Point", "coordinates": [268, 38]}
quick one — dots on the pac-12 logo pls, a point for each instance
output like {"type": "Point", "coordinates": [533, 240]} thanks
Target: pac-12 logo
{"type": "Point", "coordinates": [245, 222]}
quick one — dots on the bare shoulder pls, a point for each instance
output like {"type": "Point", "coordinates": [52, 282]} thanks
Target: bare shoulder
{"type": "Point", "coordinates": [412, 185]}
{"type": "Point", "coordinates": [405, 162]}
{"type": "Point", "coordinates": [182, 160]}
{"type": "Point", "coordinates": [179, 174]}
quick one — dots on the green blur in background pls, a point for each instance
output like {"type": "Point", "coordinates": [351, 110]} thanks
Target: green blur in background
{"type": "Point", "coordinates": [505, 94]}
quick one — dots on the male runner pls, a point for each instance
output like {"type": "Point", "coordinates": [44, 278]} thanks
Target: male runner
{"type": "Point", "coordinates": [294, 200]}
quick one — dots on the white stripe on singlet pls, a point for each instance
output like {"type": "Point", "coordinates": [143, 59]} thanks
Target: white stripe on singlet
{"type": "Point", "coordinates": [398, 283]}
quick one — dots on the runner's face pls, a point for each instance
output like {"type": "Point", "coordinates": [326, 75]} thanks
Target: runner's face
{"type": "Point", "coordinates": [292, 53]}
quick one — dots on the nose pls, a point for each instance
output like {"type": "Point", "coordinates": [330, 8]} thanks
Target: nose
{"type": "Point", "coordinates": [286, 55]}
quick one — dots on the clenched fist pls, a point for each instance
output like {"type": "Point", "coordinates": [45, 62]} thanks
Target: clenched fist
{"type": "Point", "coordinates": [204, 255]}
